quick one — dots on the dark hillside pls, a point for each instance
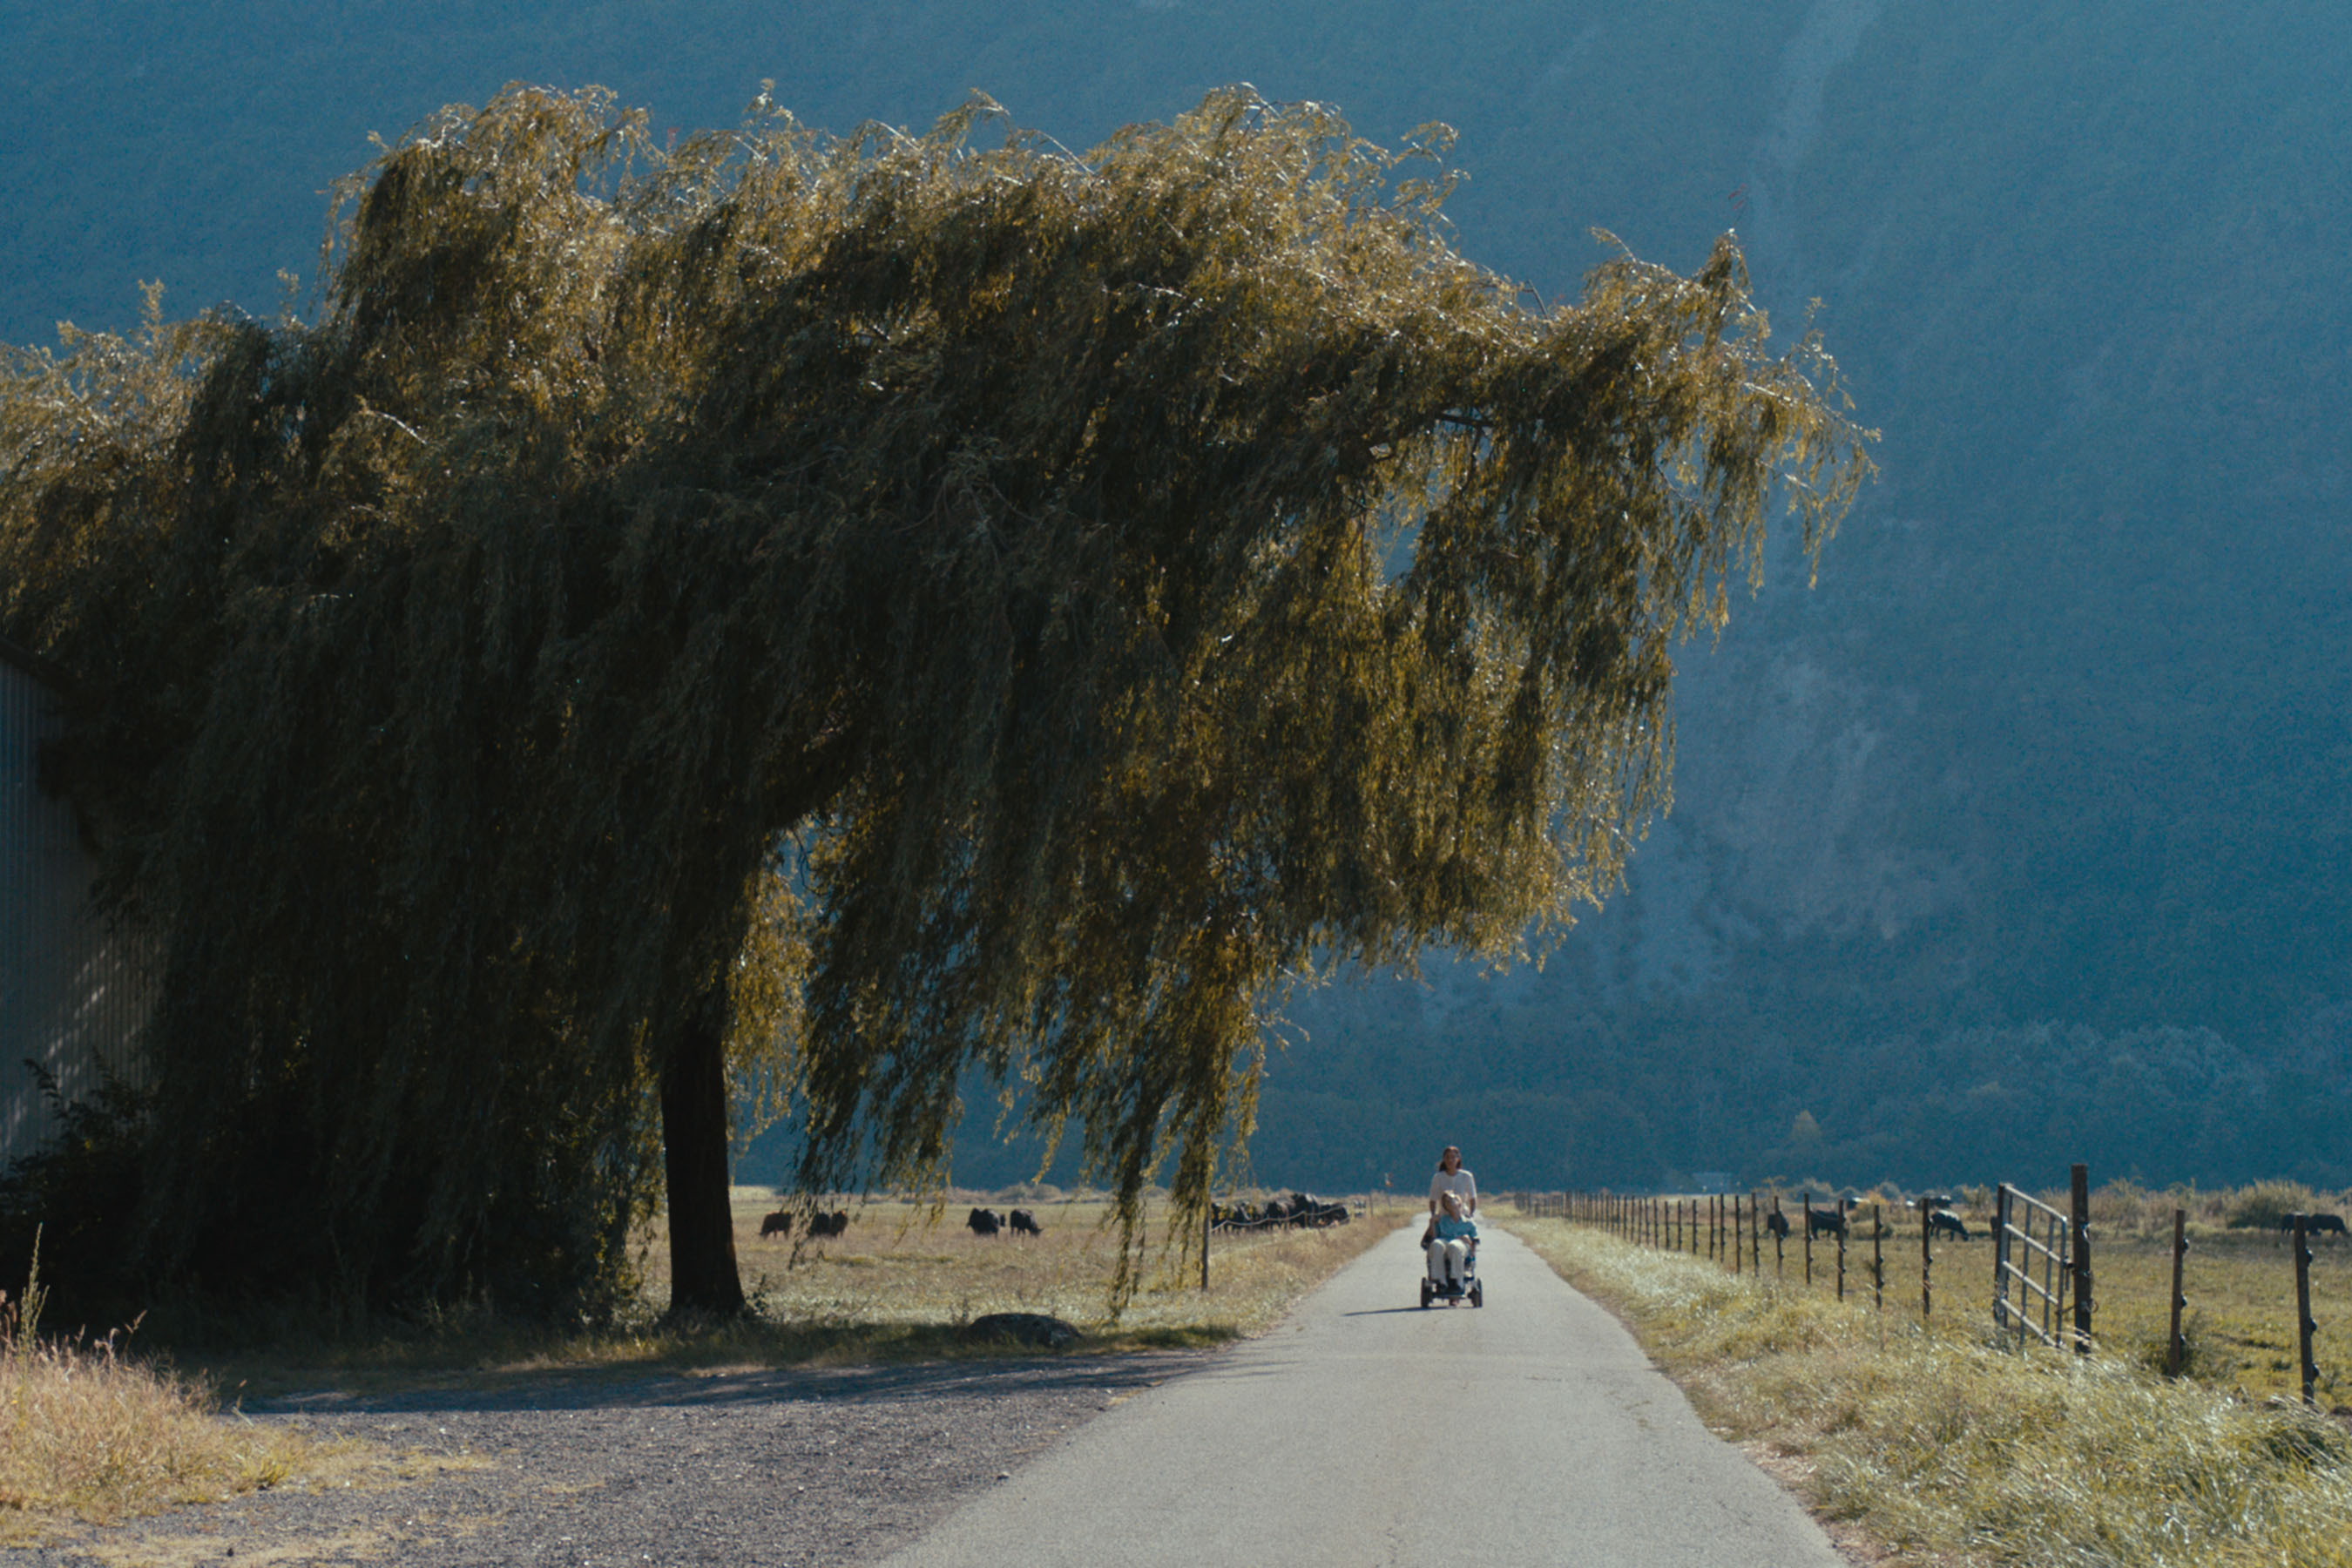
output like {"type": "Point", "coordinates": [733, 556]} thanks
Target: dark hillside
{"type": "Point", "coordinates": [2023, 837]}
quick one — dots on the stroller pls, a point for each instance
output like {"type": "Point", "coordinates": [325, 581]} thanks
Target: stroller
{"type": "Point", "coordinates": [1469, 1290]}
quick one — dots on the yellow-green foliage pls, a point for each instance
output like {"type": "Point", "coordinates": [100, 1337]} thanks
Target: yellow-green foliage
{"type": "Point", "coordinates": [1937, 1444]}
{"type": "Point", "coordinates": [1038, 606]}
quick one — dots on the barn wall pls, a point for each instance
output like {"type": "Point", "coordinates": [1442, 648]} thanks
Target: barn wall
{"type": "Point", "coordinates": [72, 995]}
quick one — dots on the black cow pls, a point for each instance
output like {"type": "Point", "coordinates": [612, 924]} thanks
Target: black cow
{"type": "Point", "coordinates": [1944, 1222]}
{"type": "Point", "coordinates": [984, 1222]}
{"type": "Point", "coordinates": [1826, 1222]}
{"type": "Point", "coordinates": [825, 1225]}
{"type": "Point", "coordinates": [1024, 1223]}
{"type": "Point", "coordinates": [1777, 1224]}
{"type": "Point", "coordinates": [777, 1223]}
{"type": "Point", "coordinates": [2314, 1224]}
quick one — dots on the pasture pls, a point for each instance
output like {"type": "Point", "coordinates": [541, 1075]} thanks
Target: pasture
{"type": "Point", "coordinates": [906, 1272]}
{"type": "Point", "coordinates": [901, 1283]}
{"type": "Point", "coordinates": [2239, 1277]}
{"type": "Point", "coordinates": [2239, 1280]}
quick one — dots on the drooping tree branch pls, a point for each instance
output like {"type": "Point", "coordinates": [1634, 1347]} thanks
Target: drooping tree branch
{"type": "Point", "coordinates": [1022, 531]}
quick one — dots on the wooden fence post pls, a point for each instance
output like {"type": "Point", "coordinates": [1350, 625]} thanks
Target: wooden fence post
{"type": "Point", "coordinates": [1877, 1256]}
{"type": "Point", "coordinates": [1779, 1244]}
{"type": "Point", "coordinates": [2172, 1355]}
{"type": "Point", "coordinates": [1806, 1201]}
{"type": "Point", "coordinates": [2304, 1327]}
{"type": "Point", "coordinates": [1737, 1236]}
{"type": "Point", "coordinates": [1840, 1236]}
{"type": "Point", "coordinates": [2001, 1259]}
{"type": "Point", "coordinates": [1926, 1262]}
{"type": "Point", "coordinates": [2079, 1179]}
{"type": "Point", "coordinates": [1207, 1214]}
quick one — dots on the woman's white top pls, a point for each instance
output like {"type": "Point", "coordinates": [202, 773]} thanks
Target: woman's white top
{"type": "Point", "coordinates": [1458, 1181]}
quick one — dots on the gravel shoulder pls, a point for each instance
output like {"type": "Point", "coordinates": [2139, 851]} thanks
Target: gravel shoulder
{"type": "Point", "coordinates": [804, 1466]}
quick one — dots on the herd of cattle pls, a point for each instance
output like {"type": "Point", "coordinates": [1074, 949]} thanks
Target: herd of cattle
{"type": "Point", "coordinates": [820, 1225]}
{"type": "Point", "coordinates": [1942, 1221]}
{"type": "Point", "coordinates": [987, 1222]}
{"type": "Point", "coordinates": [1836, 1221]}
{"type": "Point", "coordinates": [1298, 1209]}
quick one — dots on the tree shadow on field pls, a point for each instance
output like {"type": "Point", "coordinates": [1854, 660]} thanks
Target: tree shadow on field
{"type": "Point", "coordinates": [572, 1389]}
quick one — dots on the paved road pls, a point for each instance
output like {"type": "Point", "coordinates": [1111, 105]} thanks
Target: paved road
{"type": "Point", "coordinates": [1365, 1431]}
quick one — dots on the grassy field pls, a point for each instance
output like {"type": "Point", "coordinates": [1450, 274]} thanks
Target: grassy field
{"type": "Point", "coordinates": [1940, 1449]}
{"type": "Point", "coordinates": [900, 1284]}
{"type": "Point", "coordinates": [901, 1271]}
{"type": "Point", "coordinates": [2239, 1278]}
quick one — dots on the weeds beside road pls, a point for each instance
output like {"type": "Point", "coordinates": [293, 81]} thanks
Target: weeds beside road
{"type": "Point", "coordinates": [87, 1433]}
{"type": "Point", "coordinates": [1948, 1450]}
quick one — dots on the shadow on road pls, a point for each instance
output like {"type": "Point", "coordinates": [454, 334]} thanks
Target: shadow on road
{"type": "Point", "coordinates": [573, 1390]}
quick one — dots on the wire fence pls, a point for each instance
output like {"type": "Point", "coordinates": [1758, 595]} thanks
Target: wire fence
{"type": "Point", "coordinates": [2041, 1281]}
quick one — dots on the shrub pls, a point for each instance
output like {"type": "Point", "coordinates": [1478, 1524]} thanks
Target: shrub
{"type": "Point", "coordinates": [2263, 1204]}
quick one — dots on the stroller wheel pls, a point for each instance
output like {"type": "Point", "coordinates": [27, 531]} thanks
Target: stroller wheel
{"type": "Point", "coordinates": [1477, 1295]}
{"type": "Point", "coordinates": [1424, 1295]}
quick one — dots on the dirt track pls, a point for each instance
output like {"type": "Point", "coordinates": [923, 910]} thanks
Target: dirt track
{"type": "Point", "coordinates": [806, 1466]}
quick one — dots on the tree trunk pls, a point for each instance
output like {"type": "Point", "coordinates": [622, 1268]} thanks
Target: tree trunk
{"type": "Point", "coordinates": [703, 1277]}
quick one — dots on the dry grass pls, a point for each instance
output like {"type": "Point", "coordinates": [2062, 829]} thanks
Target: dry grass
{"type": "Point", "coordinates": [1948, 1450]}
{"type": "Point", "coordinates": [899, 1285]}
{"type": "Point", "coordinates": [2239, 1278]}
{"type": "Point", "coordinates": [89, 1434]}
{"type": "Point", "coordinates": [897, 1265]}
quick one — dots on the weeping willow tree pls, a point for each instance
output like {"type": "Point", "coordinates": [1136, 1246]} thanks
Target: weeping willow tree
{"type": "Point", "coordinates": [870, 611]}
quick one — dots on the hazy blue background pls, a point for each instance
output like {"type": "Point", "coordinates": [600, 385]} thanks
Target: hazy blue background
{"type": "Point", "coordinates": [2022, 839]}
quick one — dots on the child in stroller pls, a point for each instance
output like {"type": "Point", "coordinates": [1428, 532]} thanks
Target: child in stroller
{"type": "Point", "coordinates": [1451, 1242]}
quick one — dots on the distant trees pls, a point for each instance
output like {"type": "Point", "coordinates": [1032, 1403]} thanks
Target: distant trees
{"type": "Point", "coordinates": [855, 611]}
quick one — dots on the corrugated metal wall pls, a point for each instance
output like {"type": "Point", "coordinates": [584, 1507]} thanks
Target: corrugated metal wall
{"type": "Point", "coordinates": [72, 994]}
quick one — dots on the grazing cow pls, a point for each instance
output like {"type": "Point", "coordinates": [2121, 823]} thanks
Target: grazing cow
{"type": "Point", "coordinates": [2314, 1224]}
{"type": "Point", "coordinates": [1830, 1222]}
{"type": "Point", "coordinates": [1944, 1222]}
{"type": "Point", "coordinates": [1024, 1223]}
{"type": "Point", "coordinates": [777, 1223]}
{"type": "Point", "coordinates": [1777, 1224]}
{"type": "Point", "coordinates": [984, 1222]}
{"type": "Point", "coordinates": [825, 1225]}
{"type": "Point", "coordinates": [1306, 1209]}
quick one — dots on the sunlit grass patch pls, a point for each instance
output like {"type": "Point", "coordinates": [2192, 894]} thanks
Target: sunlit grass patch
{"type": "Point", "coordinates": [1949, 1449]}
{"type": "Point", "coordinates": [90, 1435]}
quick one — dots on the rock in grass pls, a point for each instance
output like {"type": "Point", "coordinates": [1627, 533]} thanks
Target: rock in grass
{"type": "Point", "coordinates": [1022, 1328]}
